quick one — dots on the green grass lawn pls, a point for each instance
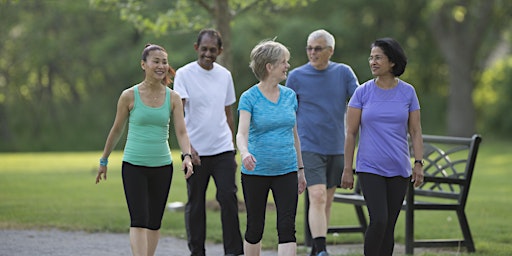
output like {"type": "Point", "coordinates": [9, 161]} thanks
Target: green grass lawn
{"type": "Point", "coordinates": [57, 190]}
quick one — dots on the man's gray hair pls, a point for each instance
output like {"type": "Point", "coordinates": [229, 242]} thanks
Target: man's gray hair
{"type": "Point", "coordinates": [322, 33]}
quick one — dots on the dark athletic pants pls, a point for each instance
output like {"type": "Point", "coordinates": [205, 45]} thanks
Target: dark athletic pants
{"type": "Point", "coordinates": [222, 168]}
{"type": "Point", "coordinates": [285, 192]}
{"type": "Point", "coordinates": [384, 197]}
{"type": "Point", "coordinates": [146, 190]}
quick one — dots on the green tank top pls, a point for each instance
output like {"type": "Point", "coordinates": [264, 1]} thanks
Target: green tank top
{"type": "Point", "coordinates": [147, 142]}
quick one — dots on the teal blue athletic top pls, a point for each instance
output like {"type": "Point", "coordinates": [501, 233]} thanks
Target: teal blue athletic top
{"type": "Point", "coordinates": [271, 139]}
{"type": "Point", "coordinates": [147, 143]}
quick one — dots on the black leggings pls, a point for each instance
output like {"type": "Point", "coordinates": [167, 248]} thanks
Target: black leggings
{"type": "Point", "coordinates": [285, 193]}
{"type": "Point", "coordinates": [146, 190]}
{"type": "Point", "coordinates": [384, 197]}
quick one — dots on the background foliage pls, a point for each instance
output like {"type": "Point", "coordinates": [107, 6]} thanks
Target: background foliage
{"type": "Point", "coordinates": [63, 64]}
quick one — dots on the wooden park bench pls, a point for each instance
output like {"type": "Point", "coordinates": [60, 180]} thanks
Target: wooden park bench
{"type": "Point", "coordinates": [449, 166]}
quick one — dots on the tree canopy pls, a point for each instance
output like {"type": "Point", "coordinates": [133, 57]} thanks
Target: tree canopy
{"type": "Point", "coordinates": [63, 64]}
{"type": "Point", "coordinates": [161, 17]}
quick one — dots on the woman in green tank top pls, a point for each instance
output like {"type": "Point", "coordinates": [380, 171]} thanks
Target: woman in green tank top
{"type": "Point", "coordinates": [147, 165]}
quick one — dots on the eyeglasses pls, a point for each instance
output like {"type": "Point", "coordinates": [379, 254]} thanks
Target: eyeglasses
{"type": "Point", "coordinates": [316, 49]}
{"type": "Point", "coordinates": [375, 58]}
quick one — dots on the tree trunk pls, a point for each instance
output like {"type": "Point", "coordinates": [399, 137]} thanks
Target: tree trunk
{"type": "Point", "coordinates": [459, 41]}
{"type": "Point", "coordinates": [5, 133]}
{"type": "Point", "coordinates": [222, 19]}
{"type": "Point", "coordinates": [461, 111]}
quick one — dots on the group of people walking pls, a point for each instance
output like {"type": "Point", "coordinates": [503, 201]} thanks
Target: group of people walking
{"type": "Point", "coordinates": [290, 138]}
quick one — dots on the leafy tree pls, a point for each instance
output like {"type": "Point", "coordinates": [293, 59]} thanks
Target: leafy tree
{"type": "Point", "coordinates": [356, 25]}
{"type": "Point", "coordinates": [63, 63]}
{"type": "Point", "coordinates": [5, 78]}
{"type": "Point", "coordinates": [158, 16]}
{"type": "Point", "coordinates": [465, 31]}
{"type": "Point", "coordinates": [493, 98]}
{"type": "Point", "coordinates": [58, 60]}
{"type": "Point", "coordinates": [462, 28]}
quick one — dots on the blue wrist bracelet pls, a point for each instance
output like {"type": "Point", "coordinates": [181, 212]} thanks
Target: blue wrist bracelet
{"type": "Point", "coordinates": [103, 161]}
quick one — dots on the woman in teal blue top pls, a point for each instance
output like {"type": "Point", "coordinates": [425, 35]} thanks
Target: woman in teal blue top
{"type": "Point", "coordinates": [269, 145]}
{"type": "Point", "coordinates": [147, 165]}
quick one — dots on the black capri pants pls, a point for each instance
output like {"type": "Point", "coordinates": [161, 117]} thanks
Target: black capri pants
{"type": "Point", "coordinates": [146, 190]}
{"type": "Point", "coordinates": [285, 193]}
{"type": "Point", "coordinates": [384, 197]}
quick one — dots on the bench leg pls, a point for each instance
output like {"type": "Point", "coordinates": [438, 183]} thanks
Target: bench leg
{"type": "Point", "coordinates": [466, 232]}
{"type": "Point", "coordinates": [362, 218]}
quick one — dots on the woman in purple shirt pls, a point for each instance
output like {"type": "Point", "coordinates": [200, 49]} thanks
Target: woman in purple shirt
{"type": "Point", "coordinates": [384, 109]}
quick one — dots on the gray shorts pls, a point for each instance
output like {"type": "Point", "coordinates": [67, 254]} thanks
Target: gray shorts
{"type": "Point", "coordinates": [323, 169]}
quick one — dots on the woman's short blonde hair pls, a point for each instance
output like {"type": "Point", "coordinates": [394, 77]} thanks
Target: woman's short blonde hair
{"type": "Point", "coordinates": [266, 52]}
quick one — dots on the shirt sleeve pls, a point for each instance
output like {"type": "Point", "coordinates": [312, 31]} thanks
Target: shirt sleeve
{"type": "Point", "coordinates": [179, 84]}
{"type": "Point", "coordinates": [356, 99]}
{"type": "Point", "coordinates": [244, 103]}
{"type": "Point", "coordinates": [230, 94]}
{"type": "Point", "coordinates": [415, 103]}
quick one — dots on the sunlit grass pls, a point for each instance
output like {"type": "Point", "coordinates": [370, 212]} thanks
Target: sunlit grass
{"type": "Point", "coordinates": [57, 190]}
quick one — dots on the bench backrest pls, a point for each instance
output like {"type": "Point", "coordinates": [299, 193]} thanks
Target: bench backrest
{"type": "Point", "coordinates": [449, 166]}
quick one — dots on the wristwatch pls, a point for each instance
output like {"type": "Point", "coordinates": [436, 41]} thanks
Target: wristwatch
{"type": "Point", "coordinates": [185, 155]}
{"type": "Point", "coordinates": [421, 162]}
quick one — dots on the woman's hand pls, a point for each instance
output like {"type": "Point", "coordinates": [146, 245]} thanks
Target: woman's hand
{"type": "Point", "coordinates": [417, 175]}
{"type": "Point", "coordinates": [302, 181]}
{"type": "Point", "coordinates": [101, 171]}
{"type": "Point", "coordinates": [248, 161]}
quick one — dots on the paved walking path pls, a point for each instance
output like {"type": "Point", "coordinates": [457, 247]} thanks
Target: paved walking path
{"type": "Point", "coordinates": [56, 242]}
{"type": "Point", "coordinates": [76, 243]}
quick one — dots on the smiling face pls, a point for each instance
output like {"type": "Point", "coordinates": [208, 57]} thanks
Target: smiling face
{"type": "Point", "coordinates": [279, 70]}
{"type": "Point", "coordinates": [319, 53]}
{"type": "Point", "coordinates": [155, 66]}
{"type": "Point", "coordinates": [207, 51]}
{"type": "Point", "coordinates": [379, 63]}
